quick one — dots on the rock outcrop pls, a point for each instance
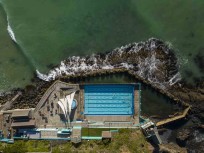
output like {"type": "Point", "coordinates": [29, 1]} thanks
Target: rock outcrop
{"type": "Point", "coordinates": [171, 148]}
{"type": "Point", "coordinates": [153, 61]}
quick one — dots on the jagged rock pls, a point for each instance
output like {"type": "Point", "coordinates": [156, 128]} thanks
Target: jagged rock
{"type": "Point", "coordinates": [152, 60]}
{"type": "Point", "coordinates": [183, 136]}
{"type": "Point", "coordinates": [196, 143]}
{"type": "Point", "coordinates": [171, 148]}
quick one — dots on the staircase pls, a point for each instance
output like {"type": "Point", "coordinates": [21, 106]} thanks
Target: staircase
{"type": "Point", "coordinates": [76, 135]}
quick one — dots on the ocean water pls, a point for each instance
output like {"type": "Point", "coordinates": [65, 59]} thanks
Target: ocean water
{"type": "Point", "coordinates": [44, 32]}
{"type": "Point", "coordinates": [14, 68]}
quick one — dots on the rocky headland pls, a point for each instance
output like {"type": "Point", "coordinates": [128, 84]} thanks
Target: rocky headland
{"type": "Point", "coordinates": [152, 62]}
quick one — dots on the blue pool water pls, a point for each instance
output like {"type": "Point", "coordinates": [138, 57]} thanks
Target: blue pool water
{"type": "Point", "coordinates": [74, 104]}
{"type": "Point", "coordinates": [109, 99]}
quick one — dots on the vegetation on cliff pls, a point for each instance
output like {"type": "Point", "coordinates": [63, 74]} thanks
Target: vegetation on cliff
{"type": "Point", "coordinates": [23, 146]}
{"type": "Point", "coordinates": [126, 141]}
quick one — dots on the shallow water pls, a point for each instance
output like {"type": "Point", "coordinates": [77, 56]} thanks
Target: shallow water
{"type": "Point", "coordinates": [14, 70]}
{"type": "Point", "coordinates": [48, 31]}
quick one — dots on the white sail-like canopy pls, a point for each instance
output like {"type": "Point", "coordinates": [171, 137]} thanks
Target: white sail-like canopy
{"type": "Point", "coordinates": [70, 100]}
{"type": "Point", "coordinates": [63, 104]}
{"type": "Point", "coordinates": [62, 107]}
{"type": "Point", "coordinates": [66, 103]}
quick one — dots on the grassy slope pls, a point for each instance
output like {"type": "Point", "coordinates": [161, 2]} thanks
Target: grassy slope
{"type": "Point", "coordinates": [21, 146]}
{"type": "Point", "coordinates": [94, 131]}
{"type": "Point", "coordinates": [125, 141]}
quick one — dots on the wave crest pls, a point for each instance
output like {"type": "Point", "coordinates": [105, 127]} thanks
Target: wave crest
{"type": "Point", "coordinates": [11, 33]}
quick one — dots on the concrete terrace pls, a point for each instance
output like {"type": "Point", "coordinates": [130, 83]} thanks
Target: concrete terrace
{"type": "Point", "coordinates": [110, 106]}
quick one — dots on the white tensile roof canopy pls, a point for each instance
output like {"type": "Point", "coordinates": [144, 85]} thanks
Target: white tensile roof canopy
{"type": "Point", "coordinates": [66, 103]}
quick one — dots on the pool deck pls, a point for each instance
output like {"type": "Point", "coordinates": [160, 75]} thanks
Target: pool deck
{"type": "Point", "coordinates": [80, 106]}
{"type": "Point", "coordinates": [115, 118]}
{"type": "Point", "coordinates": [119, 120]}
{"type": "Point", "coordinates": [55, 120]}
{"type": "Point", "coordinates": [136, 102]}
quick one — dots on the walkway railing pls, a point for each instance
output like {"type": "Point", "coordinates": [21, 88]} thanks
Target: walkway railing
{"type": "Point", "coordinates": [169, 120]}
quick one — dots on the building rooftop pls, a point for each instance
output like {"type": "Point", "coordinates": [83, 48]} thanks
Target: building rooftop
{"type": "Point", "coordinates": [106, 134]}
{"type": "Point", "coordinates": [23, 124]}
{"type": "Point", "coordinates": [21, 113]}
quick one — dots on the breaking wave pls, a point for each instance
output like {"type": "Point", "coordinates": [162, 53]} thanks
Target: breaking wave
{"type": "Point", "coordinates": [19, 47]}
{"type": "Point", "coordinates": [10, 31]}
{"type": "Point", "coordinates": [152, 60]}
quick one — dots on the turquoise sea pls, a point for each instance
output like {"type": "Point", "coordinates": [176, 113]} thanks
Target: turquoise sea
{"type": "Point", "coordinates": [48, 31]}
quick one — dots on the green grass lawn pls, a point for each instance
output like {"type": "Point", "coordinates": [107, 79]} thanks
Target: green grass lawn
{"type": "Point", "coordinates": [94, 131]}
{"type": "Point", "coordinates": [21, 146]}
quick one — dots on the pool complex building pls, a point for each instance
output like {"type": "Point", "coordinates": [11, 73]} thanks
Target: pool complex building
{"type": "Point", "coordinates": [65, 110]}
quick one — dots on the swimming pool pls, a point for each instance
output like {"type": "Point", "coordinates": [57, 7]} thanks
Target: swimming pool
{"type": "Point", "coordinates": [109, 99]}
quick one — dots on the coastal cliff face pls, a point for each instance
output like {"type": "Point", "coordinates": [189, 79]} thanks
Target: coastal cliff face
{"type": "Point", "coordinates": [152, 62]}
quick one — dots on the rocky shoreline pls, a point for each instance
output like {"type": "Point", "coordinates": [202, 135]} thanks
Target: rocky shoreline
{"type": "Point", "coordinates": [152, 62]}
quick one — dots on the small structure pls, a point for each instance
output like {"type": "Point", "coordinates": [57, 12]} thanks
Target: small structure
{"type": "Point", "coordinates": [23, 114]}
{"type": "Point", "coordinates": [22, 118]}
{"type": "Point", "coordinates": [76, 135]}
{"type": "Point", "coordinates": [106, 135]}
{"type": "Point", "coordinates": [150, 131]}
{"type": "Point", "coordinates": [64, 133]}
{"type": "Point", "coordinates": [28, 124]}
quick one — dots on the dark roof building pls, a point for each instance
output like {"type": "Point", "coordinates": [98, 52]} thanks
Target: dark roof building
{"type": "Point", "coordinates": [30, 123]}
{"type": "Point", "coordinates": [21, 113]}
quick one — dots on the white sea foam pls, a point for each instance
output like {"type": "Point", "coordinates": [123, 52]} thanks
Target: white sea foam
{"type": "Point", "coordinates": [169, 44]}
{"type": "Point", "coordinates": [42, 76]}
{"type": "Point", "coordinates": [141, 58]}
{"type": "Point", "coordinates": [10, 31]}
{"type": "Point", "coordinates": [175, 79]}
{"type": "Point", "coordinates": [198, 136]}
